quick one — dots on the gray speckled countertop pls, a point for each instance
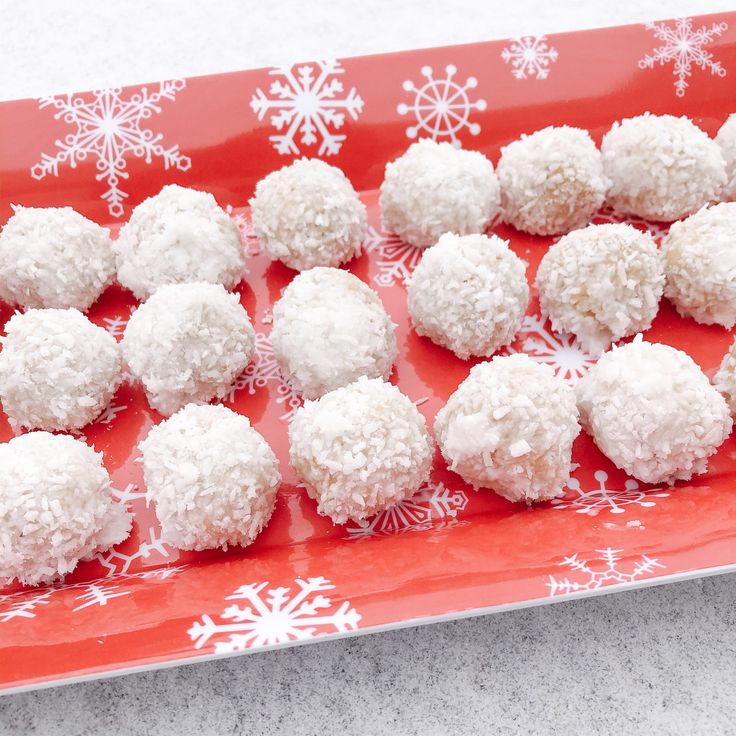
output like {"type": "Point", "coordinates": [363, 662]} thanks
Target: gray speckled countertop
{"type": "Point", "coordinates": [655, 661]}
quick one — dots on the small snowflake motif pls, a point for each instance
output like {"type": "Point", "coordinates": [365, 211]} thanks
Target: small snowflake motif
{"type": "Point", "coordinates": [115, 325]}
{"type": "Point", "coordinates": [129, 495]}
{"type": "Point", "coordinates": [97, 594]}
{"type": "Point", "coordinates": [110, 129]}
{"type": "Point", "coordinates": [111, 411]}
{"type": "Point", "coordinates": [23, 606]}
{"type": "Point", "coordinates": [441, 107]}
{"type": "Point", "coordinates": [396, 259]}
{"type": "Point", "coordinates": [606, 216]}
{"type": "Point", "coordinates": [603, 498]}
{"type": "Point", "coordinates": [116, 562]}
{"type": "Point", "coordinates": [603, 571]}
{"type": "Point", "coordinates": [275, 616]}
{"type": "Point", "coordinates": [307, 101]}
{"type": "Point", "coordinates": [684, 47]}
{"type": "Point", "coordinates": [247, 233]}
{"type": "Point", "coordinates": [530, 57]}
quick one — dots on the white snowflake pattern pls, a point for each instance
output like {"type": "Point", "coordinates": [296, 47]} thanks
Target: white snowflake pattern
{"type": "Point", "coordinates": [129, 495]}
{"type": "Point", "coordinates": [110, 128]}
{"type": "Point", "coordinates": [20, 605]}
{"type": "Point", "coordinates": [684, 46]}
{"type": "Point", "coordinates": [115, 325]}
{"type": "Point", "coordinates": [601, 572]}
{"type": "Point", "coordinates": [603, 498]}
{"type": "Point", "coordinates": [396, 259]}
{"type": "Point", "coordinates": [442, 107]}
{"type": "Point", "coordinates": [530, 57]}
{"type": "Point", "coordinates": [97, 594]}
{"type": "Point", "coordinates": [308, 101]}
{"type": "Point", "coordinates": [277, 616]}
{"type": "Point", "coordinates": [116, 562]}
{"type": "Point", "coordinates": [247, 233]}
{"type": "Point", "coordinates": [606, 216]}
{"type": "Point", "coordinates": [111, 411]}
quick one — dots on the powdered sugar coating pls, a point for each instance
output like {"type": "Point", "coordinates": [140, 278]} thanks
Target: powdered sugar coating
{"type": "Point", "coordinates": [188, 343]}
{"type": "Point", "coordinates": [700, 265]}
{"type": "Point", "coordinates": [652, 411]}
{"type": "Point", "coordinates": [58, 371]}
{"type": "Point", "coordinates": [552, 180]}
{"type": "Point", "coordinates": [56, 507]}
{"type": "Point", "coordinates": [725, 378]}
{"type": "Point", "coordinates": [53, 257]}
{"type": "Point", "coordinates": [510, 426]}
{"type": "Point", "coordinates": [212, 477]}
{"type": "Point", "coordinates": [434, 188]}
{"type": "Point", "coordinates": [307, 214]}
{"type": "Point", "coordinates": [601, 283]}
{"type": "Point", "coordinates": [330, 328]}
{"type": "Point", "coordinates": [726, 140]}
{"type": "Point", "coordinates": [179, 235]}
{"type": "Point", "coordinates": [469, 294]}
{"type": "Point", "coordinates": [661, 167]}
{"type": "Point", "coordinates": [360, 449]}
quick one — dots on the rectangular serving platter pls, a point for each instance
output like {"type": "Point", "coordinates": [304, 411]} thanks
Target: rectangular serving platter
{"type": "Point", "coordinates": [450, 551]}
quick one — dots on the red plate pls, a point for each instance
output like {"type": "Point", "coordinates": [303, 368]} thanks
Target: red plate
{"type": "Point", "coordinates": [450, 551]}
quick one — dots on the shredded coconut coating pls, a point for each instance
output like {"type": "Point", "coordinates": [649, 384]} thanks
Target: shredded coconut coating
{"type": "Point", "coordinates": [725, 378]}
{"type": "Point", "coordinates": [330, 328]}
{"type": "Point", "coordinates": [601, 283]}
{"type": "Point", "coordinates": [360, 449]}
{"type": "Point", "coordinates": [307, 214]}
{"type": "Point", "coordinates": [700, 265]}
{"type": "Point", "coordinates": [469, 294]}
{"type": "Point", "coordinates": [188, 343]}
{"type": "Point", "coordinates": [661, 167]}
{"type": "Point", "coordinates": [434, 188]}
{"type": "Point", "coordinates": [58, 371]}
{"type": "Point", "coordinates": [552, 181]}
{"type": "Point", "coordinates": [54, 258]}
{"type": "Point", "coordinates": [726, 140]}
{"type": "Point", "coordinates": [510, 426]}
{"type": "Point", "coordinates": [212, 477]}
{"type": "Point", "coordinates": [56, 507]}
{"type": "Point", "coordinates": [652, 412]}
{"type": "Point", "coordinates": [179, 235]}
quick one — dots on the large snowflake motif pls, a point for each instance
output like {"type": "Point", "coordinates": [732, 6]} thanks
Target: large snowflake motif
{"type": "Point", "coordinates": [684, 47]}
{"type": "Point", "coordinates": [603, 571]}
{"type": "Point", "coordinates": [396, 259]}
{"type": "Point", "coordinates": [117, 563]}
{"type": "Point", "coordinates": [277, 616]}
{"type": "Point", "coordinates": [530, 57]}
{"type": "Point", "coordinates": [602, 498]}
{"type": "Point", "coordinates": [442, 107]}
{"type": "Point", "coordinates": [308, 102]}
{"type": "Point", "coordinates": [606, 216]}
{"type": "Point", "coordinates": [110, 129]}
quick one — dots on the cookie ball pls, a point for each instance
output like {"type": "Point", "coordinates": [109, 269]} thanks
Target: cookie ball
{"type": "Point", "coordinates": [179, 235]}
{"type": "Point", "coordinates": [307, 214]}
{"type": "Point", "coordinates": [469, 294]}
{"type": "Point", "coordinates": [188, 343]}
{"type": "Point", "coordinates": [661, 167]}
{"type": "Point", "coordinates": [360, 449]}
{"type": "Point", "coordinates": [436, 188]}
{"type": "Point", "coordinates": [725, 378]}
{"type": "Point", "coordinates": [510, 426]}
{"type": "Point", "coordinates": [58, 371]}
{"type": "Point", "coordinates": [726, 140]}
{"type": "Point", "coordinates": [552, 181]}
{"type": "Point", "coordinates": [330, 328]}
{"type": "Point", "coordinates": [652, 411]}
{"type": "Point", "coordinates": [601, 283]}
{"type": "Point", "coordinates": [56, 507]}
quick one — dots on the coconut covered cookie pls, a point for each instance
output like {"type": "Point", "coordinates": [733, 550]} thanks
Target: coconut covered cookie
{"type": "Point", "coordinates": [726, 140]}
{"type": "Point", "coordinates": [725, 378]}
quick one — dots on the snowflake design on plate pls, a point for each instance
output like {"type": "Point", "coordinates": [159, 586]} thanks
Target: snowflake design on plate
{"type": "Point", "coordinates": [115, 325]}
{"type": "Point", "coordinates": [119, 563]}
{"type": "Point", "coordinates": [275, 616]}
{"type": "Point", "coordinates": [247, 233]}
{"type": "Point", "coordinates": [110, 129]}
{"type": "Point", "coordinates": [308, 101]}
{"type": "Point", "coordinates": [683, 46]}
{"type": "Point", "coordinates": [22, 606]}
{"type": "Point", "coordinates": [442, 107]}
{"type": "Point", "coordinates": [98, 594]}
{"type": "Point", "coordinates": [396, 259]}
{"type": "Point", "coordinates": [111, 411]}
{"type": "Point", "coordinates": [530, 57]}
{"type": "Point", "coordinates": [604, 570]}
{"type": "Point", "coordinates": [607, 216]}
{"type": "Point", "coordinates": [602, 498]}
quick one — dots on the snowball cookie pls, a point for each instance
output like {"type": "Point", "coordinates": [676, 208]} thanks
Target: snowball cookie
{"type": "Point", "coordinates": [54, 257]}
{"type": "Point", "coordinates": [661, 167]}
{"type": "Point", "coordinates": [180, 235]}
{"type": "Point", "coordinates": [700, 265]}
{"type": "Point", "coordinates": [652, 412]}
{"type": "Point", "coordinates": [212, 477]}
{"type": "Point", "coordinates": [726, 140]}
{"type": "Point", "coordinates": [188, 343]}
{"type": "Point", "coordinates": [510, 426]}
{"type": "Point", "coordinates": [58, 371]}
{"type": "Point", "coordinates": [55, 507]}
{"type": "Point", "coordinates": [360, 449]}
{"type": "Point", "coordinates": [551, 181]}
{"type": "Point", "coordinates": [469, 294]}
{"type": "Point", "coordinates": [435, 188]}
{"type": "Point", "coordinates": [330, 328]}
{"type": "Point", "coordinates": [725, 378]}
{"type": "Point", "coordinates": [308, 214]}
{"type": "Point", "coordinates": [601, 283]}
